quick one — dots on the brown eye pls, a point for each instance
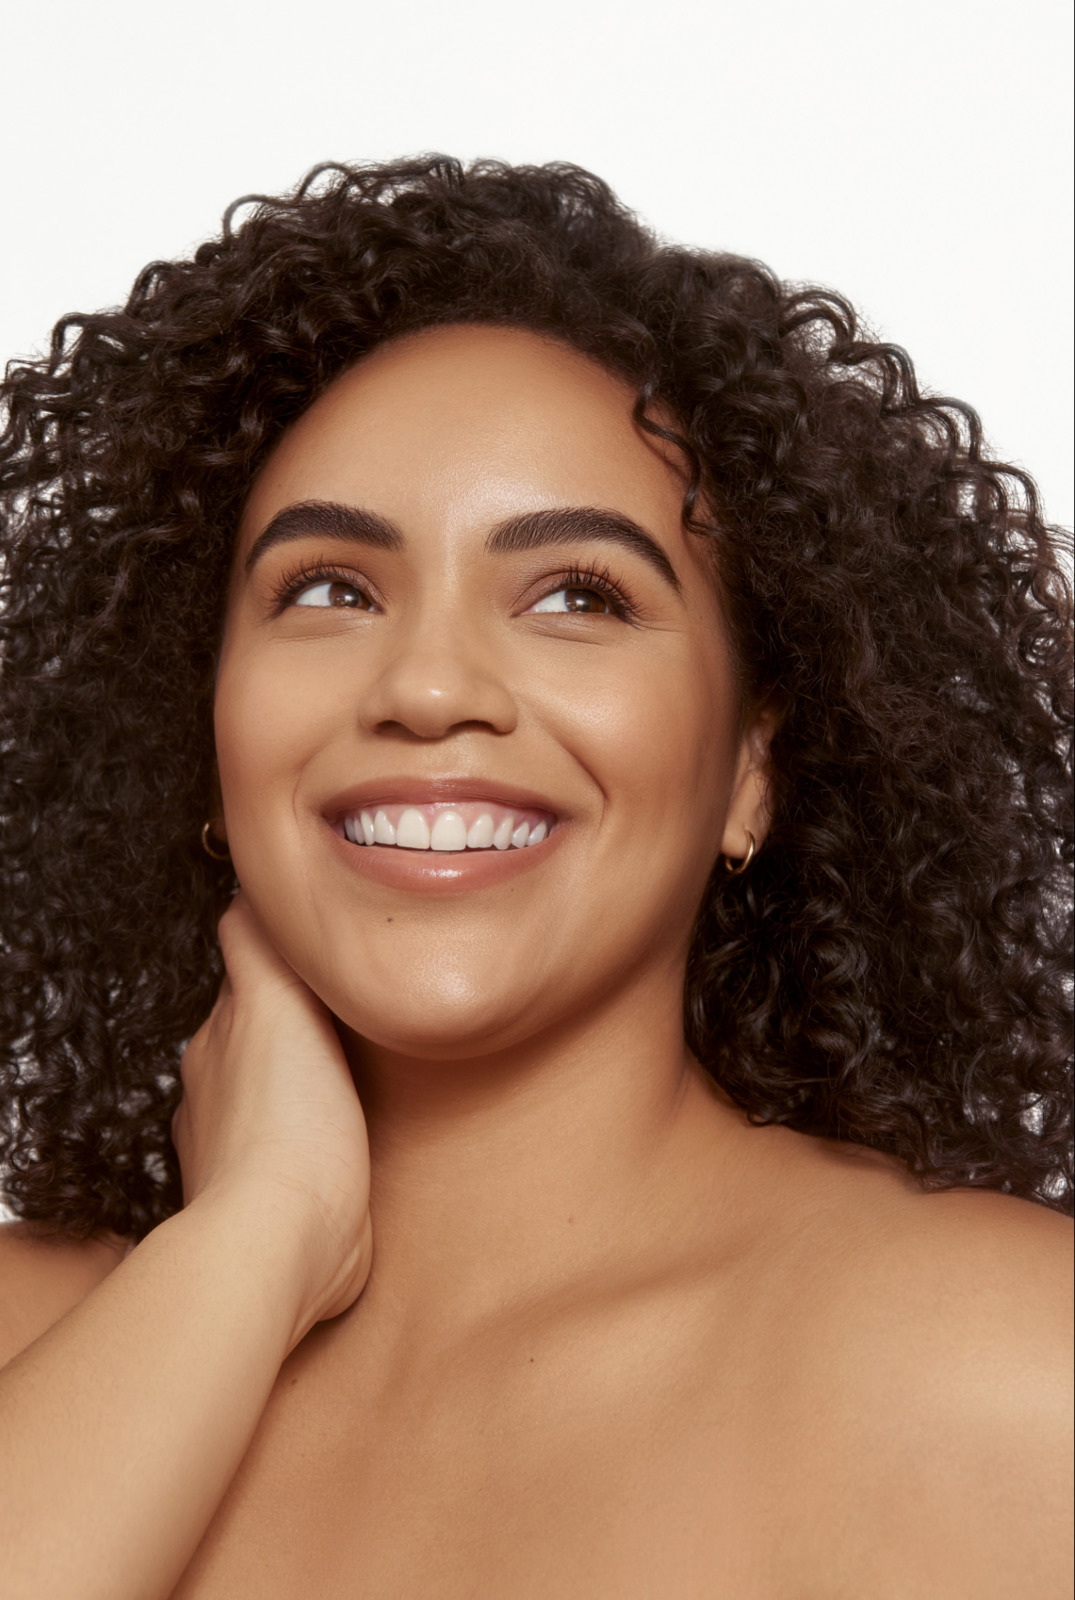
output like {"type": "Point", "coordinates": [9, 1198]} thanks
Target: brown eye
{"type": "Point", "coordinates": [586, 600]}
{"type": "Point", "coordinates": [334, 592]}
{"type": "Point", "coordinates": [577, 601]}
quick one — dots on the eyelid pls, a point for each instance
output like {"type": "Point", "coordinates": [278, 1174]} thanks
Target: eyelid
{"type": "Point", "coordinates": [600, 579]}
{"type": "Point", "coordinates": [305, 575]}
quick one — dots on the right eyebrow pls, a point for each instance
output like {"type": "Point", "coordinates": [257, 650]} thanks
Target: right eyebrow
{"type": "Point", "coordinates": [328, 520]}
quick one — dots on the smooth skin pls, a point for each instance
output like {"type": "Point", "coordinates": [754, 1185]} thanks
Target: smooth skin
{"type": "Point", "coordinates": [564, 1324]}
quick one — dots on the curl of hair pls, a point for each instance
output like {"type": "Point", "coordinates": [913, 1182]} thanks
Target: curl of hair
{"type": "Point", "coordinates": [893, 969]}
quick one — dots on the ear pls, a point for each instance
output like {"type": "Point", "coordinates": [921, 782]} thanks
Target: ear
{"type": "Point", "coordinates": [749, 808]}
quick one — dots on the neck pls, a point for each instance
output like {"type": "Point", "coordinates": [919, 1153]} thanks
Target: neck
{"type": "Point", "coordinates": [501, 1178]}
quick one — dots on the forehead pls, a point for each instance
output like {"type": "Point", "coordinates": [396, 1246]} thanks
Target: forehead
{"type": "Point", "coordinates": [462, 426]}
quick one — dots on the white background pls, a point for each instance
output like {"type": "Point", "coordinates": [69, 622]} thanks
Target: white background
{"type": "Point", "coordinates": [913, 155]}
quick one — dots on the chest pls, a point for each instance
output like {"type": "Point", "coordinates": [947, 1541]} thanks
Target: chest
{"type": "Point", "coordinates": [523, 1476]}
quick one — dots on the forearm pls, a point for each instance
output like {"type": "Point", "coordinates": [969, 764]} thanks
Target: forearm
{"type": "Point", "coordinates": [121, 1428]}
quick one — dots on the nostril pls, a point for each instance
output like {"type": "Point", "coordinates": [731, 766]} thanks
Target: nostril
{"type": "Point", "coordinates": [426, 697]}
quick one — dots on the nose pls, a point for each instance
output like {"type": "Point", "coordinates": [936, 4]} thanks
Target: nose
{"type": "Point", "coordinates": [429, 687]}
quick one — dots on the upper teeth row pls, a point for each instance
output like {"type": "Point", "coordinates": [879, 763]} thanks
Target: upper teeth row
{"type": "Point", "coordinates": [449, 831]}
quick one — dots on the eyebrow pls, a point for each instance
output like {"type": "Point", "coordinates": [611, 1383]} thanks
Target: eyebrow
{"type": "Point", "coordinates": [569, 524]}
{"type": "Point", "coordinates": [329, 520]}
{"type": "Point", "coordinates": [531, 530]}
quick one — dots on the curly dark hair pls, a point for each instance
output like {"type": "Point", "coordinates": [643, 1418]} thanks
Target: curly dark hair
{"type": "Point", "coordinates": [893, 969]}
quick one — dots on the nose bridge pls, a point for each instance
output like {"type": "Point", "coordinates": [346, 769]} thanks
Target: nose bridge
{"type": "Point", "coordinates": [439, 671]}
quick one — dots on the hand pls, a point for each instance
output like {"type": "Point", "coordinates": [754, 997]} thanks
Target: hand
{"type": "Point", "coordinates": [269, 1109]}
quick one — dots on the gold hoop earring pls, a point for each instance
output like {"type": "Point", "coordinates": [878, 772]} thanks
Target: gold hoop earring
{"type": "Point", "coordinates": [208, 843]}
{"type": "Point", "coordinates": [734, 872]}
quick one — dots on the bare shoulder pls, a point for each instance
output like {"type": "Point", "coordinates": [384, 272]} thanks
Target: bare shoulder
{"type": "Point", "coordinates": [963, 1277]}
{"type": "Point", "coordinates": [939, 1329]}
{"type": "Point", "coordinates": [964, 1248]}
{"type": "Point", "coordinates": [43, 1274]}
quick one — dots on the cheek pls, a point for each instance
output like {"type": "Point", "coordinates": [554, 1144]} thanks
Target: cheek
{"type": "Point", "coordinates": [658, 735]}
{"type": "Point", "coordinates": [271, 715]}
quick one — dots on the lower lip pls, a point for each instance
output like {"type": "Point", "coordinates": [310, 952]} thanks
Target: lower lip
{"type": "Point", "coordinates": [442, 872]}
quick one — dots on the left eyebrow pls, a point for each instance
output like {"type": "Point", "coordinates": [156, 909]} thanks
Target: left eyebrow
{"type": "Point", "coordinates": [570, 524]}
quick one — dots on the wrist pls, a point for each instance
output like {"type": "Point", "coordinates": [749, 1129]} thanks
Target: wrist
{"type": "Point", "coordinates": [260, 1231]}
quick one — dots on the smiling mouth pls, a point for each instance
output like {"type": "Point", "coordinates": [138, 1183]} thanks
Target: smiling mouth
{"type": "Point", "coordinates": [449, 827]}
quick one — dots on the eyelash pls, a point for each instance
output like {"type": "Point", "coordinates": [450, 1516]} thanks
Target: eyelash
{"type": "Point", "coordinates": [295, 579]}
{"type": "Point", "coordinates": [600, 579]}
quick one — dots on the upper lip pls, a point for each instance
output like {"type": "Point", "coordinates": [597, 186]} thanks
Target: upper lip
{"type": "Point", "coordinates": [404, 790]}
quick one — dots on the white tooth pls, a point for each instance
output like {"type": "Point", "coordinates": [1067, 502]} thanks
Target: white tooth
{"type": "Point", "coordinates": [480, 836]}
{"type": "Point", "coordinates": [538, 832]}
{"type": "Point", "coordinates": [521, 837]}
{"type": "Point", "coordinates": [349, 829]}
{"type": "Point", "coordinates": [449, 832]}
{"type": "Point", "coordinates": [412, 830]}
{"type": "Point", "coordinates": [366, 824]}
{"type": "Point", "coordinates": [502, 836]}
{"type": "Point", "coordinates": [383, 831]}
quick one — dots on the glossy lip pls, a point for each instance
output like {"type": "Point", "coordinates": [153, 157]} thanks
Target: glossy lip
{"type": "Point", "coordinates": [432, 871]}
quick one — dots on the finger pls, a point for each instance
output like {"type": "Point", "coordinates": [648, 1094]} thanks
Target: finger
{"type": "Point", "coordinates": [249, 955]}
{"type": "Point", "coordinates": [190, 1062]}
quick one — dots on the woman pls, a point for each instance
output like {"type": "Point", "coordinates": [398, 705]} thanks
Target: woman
{"type": "Point", "coordinates": [537, 624]}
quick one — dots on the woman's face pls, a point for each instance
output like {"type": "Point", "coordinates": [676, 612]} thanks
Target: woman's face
{"type": "Point", "coordinates": [463, 603]}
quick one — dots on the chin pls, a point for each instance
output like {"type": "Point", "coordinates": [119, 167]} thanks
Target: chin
{"type": "Point", "coordinates": [437, 1015]}
{"type": "Point", "coordinates": [440, 1030]}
